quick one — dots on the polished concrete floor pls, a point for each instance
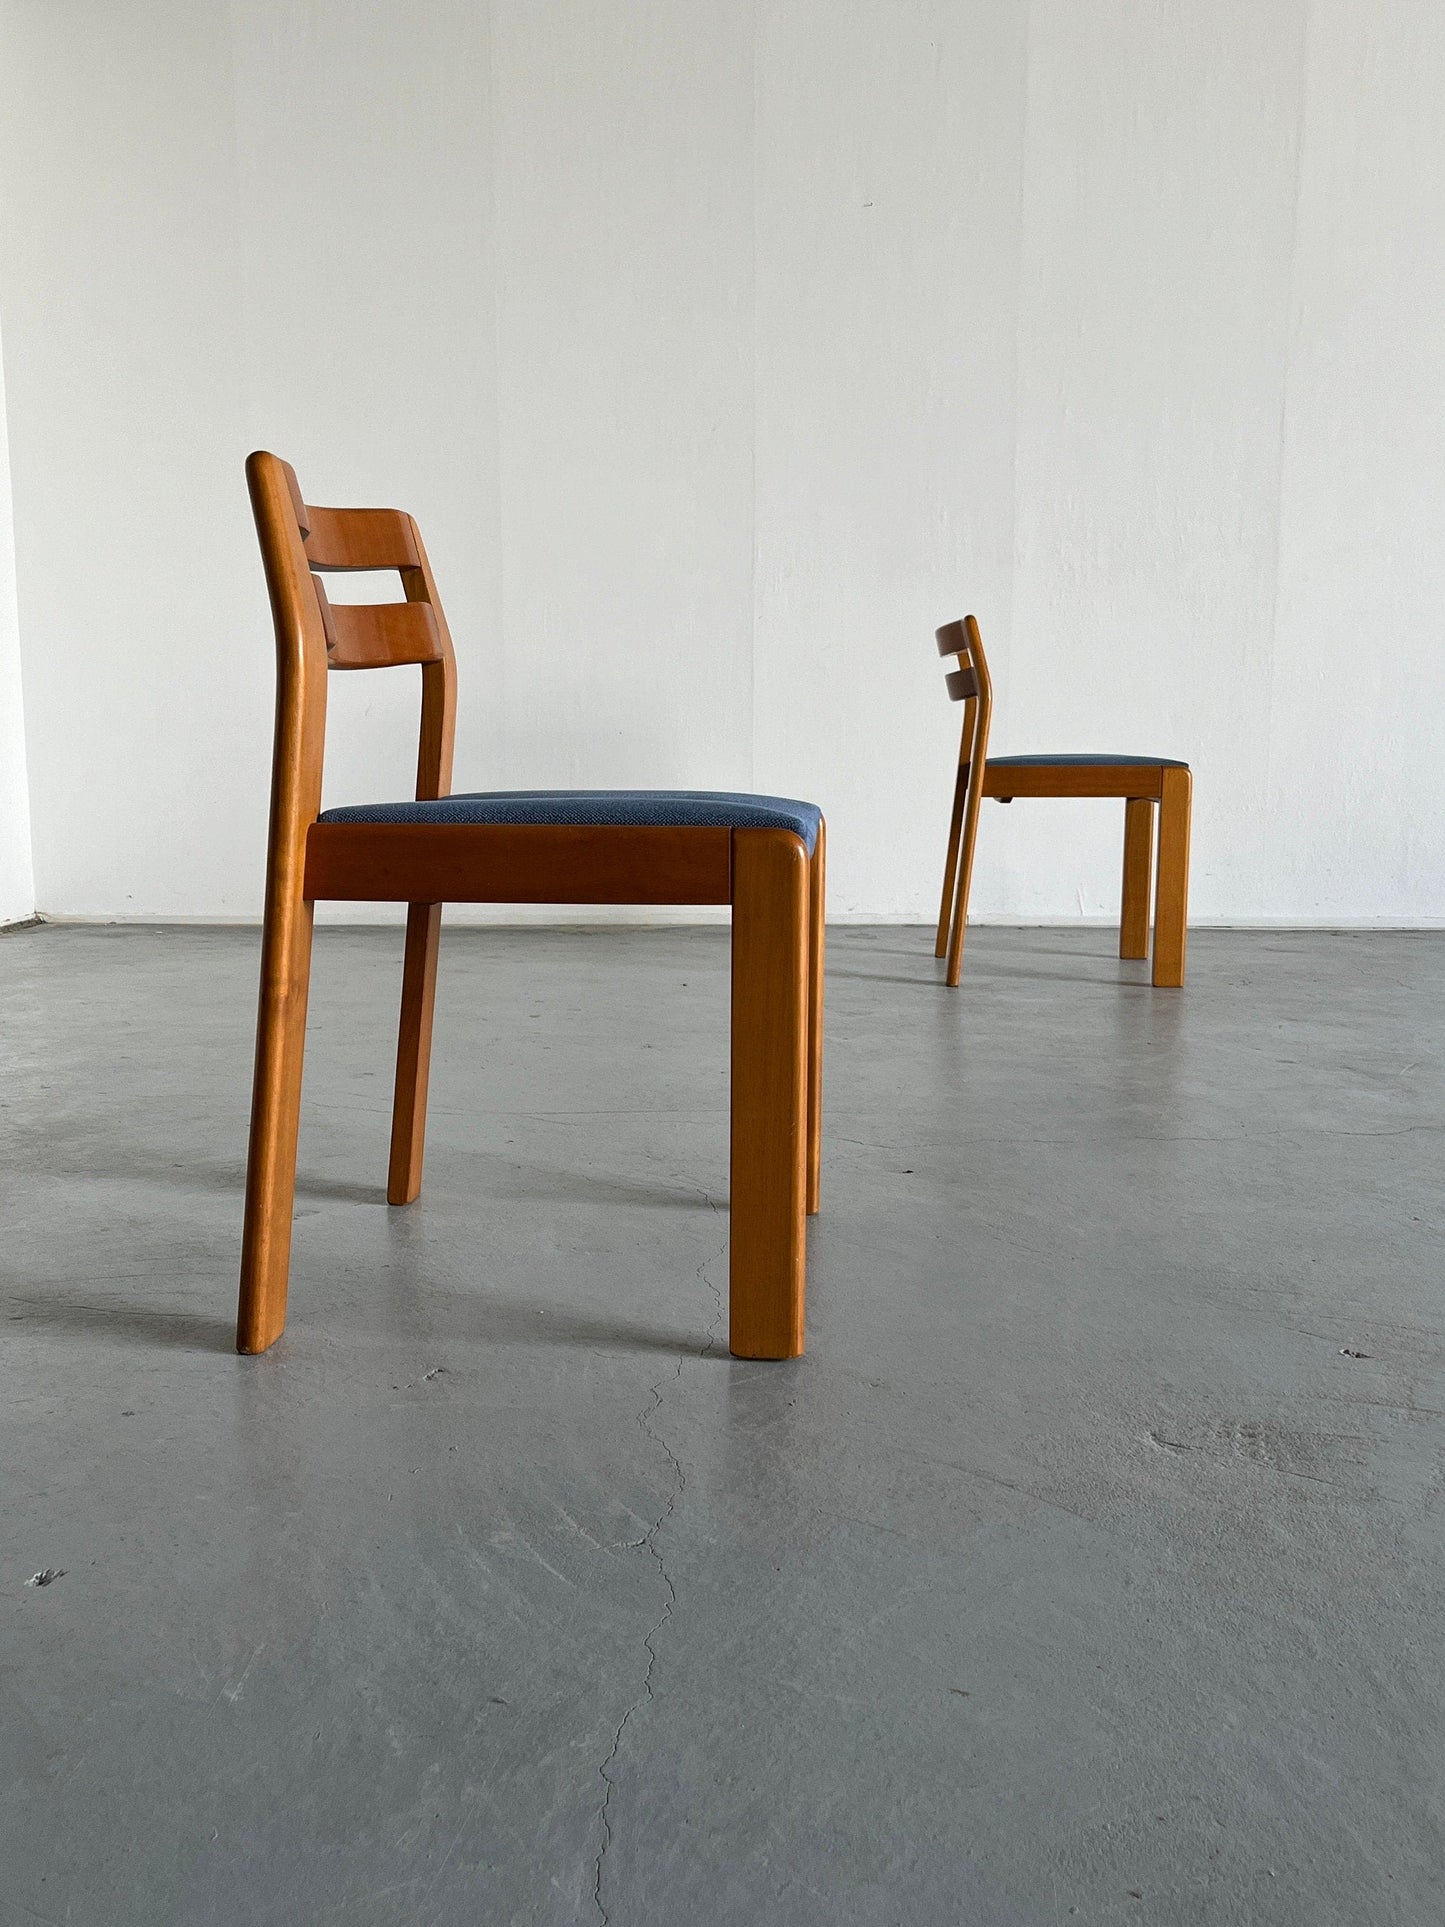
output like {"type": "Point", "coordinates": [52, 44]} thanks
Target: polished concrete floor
{"type": "Point", "coordinates": [1088, 1566]}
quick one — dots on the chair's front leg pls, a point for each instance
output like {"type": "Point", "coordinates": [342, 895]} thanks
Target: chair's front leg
{"type": "Point", "coordinates": [275, 1119]}
{"type": "Point", "coordinates": [1138, 862]}
{"type": "Point", "coordinates": [817, 922]}
{"type": "Point", "coordinates": [770, 1002]}
{"type": "Point", "coordinates": [413, 1052]}
{"type": "Point", "coordinates": [1171, 894]}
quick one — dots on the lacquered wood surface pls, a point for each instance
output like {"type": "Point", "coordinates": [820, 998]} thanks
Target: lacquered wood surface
{"type": "Point", "coordinates": [770, 993]}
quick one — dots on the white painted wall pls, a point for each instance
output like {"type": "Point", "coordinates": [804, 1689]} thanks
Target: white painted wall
{"type": "Point", "coordinates": [723, 350]}
{"type": "Point", "coordinates": [17, 877]}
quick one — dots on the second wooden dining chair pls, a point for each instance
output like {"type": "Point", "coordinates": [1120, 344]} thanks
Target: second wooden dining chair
{"type": "Point", "coordinates": [763, 855]}
{"type": "Point", "coordinates": [1143, 782]}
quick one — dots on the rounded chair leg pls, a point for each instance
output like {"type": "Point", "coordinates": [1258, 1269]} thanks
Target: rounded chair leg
{"type": "Point", "coordinates": [413, 1052]}
{"type": "Point", "coordinates": [1138, 862]}
{"type": "Point", "coordinates": [1171, 892]}
{"type": "Point", "coordinates": [770, 1002]}
{"type": "Point", "coordinates": [275, 1121]}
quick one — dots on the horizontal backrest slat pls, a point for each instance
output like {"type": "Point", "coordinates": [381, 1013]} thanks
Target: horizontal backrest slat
{"type": "Point", "coordinates": [359, 539]}
{"type": "Point", "coordinates": [377, 635]}
{"type": "Point", "coordinates": [961, 683]}
{"type": "Point", "coordinates": [952, 639]}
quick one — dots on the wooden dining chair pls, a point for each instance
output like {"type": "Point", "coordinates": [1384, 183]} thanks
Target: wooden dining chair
{"type": "Point", "coordinates": [1142, 781]}
{"type": "Point", "coordinates": [763, 855]}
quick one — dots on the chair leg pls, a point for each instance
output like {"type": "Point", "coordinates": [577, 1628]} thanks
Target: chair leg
{"type": "Point", "coordinates": [817, 895]}
{"type": "Point", "coordinates": [950, 864]}
{"type": "Point", "coordinates": [972, 802]}
{"type": "Point", "coordinates": [1138, 861]}
{"type": "Point", "coordinates": [413, 1052]}
{"type": "Point", "coordinates": [770, 1000]}
{"type": "Point", "coordinates": [1171, 893]}
{"type": "Point", "coordinates": [275, 1119]}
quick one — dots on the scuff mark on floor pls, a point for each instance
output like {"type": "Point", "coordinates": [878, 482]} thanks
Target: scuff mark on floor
{"type": "Point", "coordinates": [426, 1378]}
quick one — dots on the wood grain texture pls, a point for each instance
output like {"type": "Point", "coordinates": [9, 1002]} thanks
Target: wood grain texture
{"type": "Point", "coordinates": [438, 682]}
{"type": "Point", "coordinates": [1138, 876]}
{"type": "Point", "coordinates": [950, 861]}
{"type": "Point", "coordinates": [286, 938]}
{"type": "Point", "coordinates": [1171, 891]}
{"type": "Point", "coordinates": [517, 863]}
{"type": "Point", "coordinates": [817, 945]}
{"type": "Point", "coordinates": [1073, 779]}
{"type": "Point", "coordinates": [973, 752]}
{"type": "Point", "coordinates": [423, 920]}
{"type": "Point", "coordinates": [413, 1052]}
{"type": "Point", "coordinates": [770, 995]}
{"type": "Point", "coordinates": [360, 539]}
{"type": "Point", "coordinates": [295, 540]}
{"type": "Point", "coordinates": [378, 635]}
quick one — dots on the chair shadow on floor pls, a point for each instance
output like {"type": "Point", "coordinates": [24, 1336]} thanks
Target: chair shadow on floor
{"type": "Point", "coordinates": [1111, 975]}
{"type": "Point", "coordinates": [136, 1163]}
{"type": "Point", "coordinates": [124, 1319]}
{"type": "Point", "coordinates": [490, 1319]}
{"type": "Point", "coordinates": [481, 1319]}
{"type": "Point", "coordinates": [510, 1180]}
{"type": "Point", "coordinates": [484, 1319]}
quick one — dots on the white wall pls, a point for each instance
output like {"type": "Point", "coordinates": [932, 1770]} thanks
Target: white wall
{"type": "Point", "coordinates": [723, 350]}
{"type": "Point", "coordinates": [17, 877]}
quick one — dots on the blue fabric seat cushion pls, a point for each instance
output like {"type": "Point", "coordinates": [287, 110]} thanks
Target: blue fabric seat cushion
{"type": "Point", "coordinates": [1083, 762]}
{"type": "Point", "coordinates": [690, 809]}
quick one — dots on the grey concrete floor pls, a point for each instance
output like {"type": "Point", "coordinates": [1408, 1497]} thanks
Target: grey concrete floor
{"type": "Point", "coordinates": [1088, 1566]}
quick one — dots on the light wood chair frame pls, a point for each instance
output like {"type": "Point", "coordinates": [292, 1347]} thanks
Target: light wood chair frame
{"type": "Point", "coordinates": [1143, 786]}
{"type": "Point", "coordinates": [774, 887]}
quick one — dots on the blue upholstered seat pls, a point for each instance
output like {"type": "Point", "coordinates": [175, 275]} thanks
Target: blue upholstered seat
{"type": "Point", "coordinates": [697, 809]}
{"type": "Point", "coordinates": [1078, 762]}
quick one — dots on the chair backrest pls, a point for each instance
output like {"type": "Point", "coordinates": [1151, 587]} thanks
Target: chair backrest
{"type": "Point", "coordinates": [299, 543]}
{"type": "Point", "coordinates": [969, 683]}
{"type": "Point", "coordinates": [971, 677]}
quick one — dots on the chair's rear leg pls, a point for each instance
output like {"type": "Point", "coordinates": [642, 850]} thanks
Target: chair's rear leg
{"type": "Point", "coordinates": [1138, 865]}
{"type": "Point", "coordinates": [1171, 895]}
{"type": "Point", "coordinates": [950, 866]}
{"type": "Point", "coordinates": [770, 1001]}
{"type": "Point", "coordinates": [275, 1118]}
{"type": "Point", "coordinates": [817, 921]}
{"type": "Point", "coordinates": [972, 803]}
{"type": "Point", "coordinates": [413, 1052]}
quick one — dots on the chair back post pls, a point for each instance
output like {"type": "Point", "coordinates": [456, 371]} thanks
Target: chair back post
{"type": "Point", "coordinates": [970, 684]}
{"type": "Point", "coordinates": [438, 685]}
{"type": "Point", "coordinates": [301, 668]}
{"type": "Point", "coordinates": [286, 938]}
{"type": "Point", "coordinates": [978, 707]}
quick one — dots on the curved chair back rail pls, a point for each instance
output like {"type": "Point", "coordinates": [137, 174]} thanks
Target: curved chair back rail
{"type": "Point", "coordinates": [1144, 782]}
{"type": "Point", "coordinates": [764, 856]}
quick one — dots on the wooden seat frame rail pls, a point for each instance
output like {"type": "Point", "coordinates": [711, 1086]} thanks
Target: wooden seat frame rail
{"type": "Point", "coordinates": [774, 887]}
{"type": "Point", "coordinates": [1143, 786]}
